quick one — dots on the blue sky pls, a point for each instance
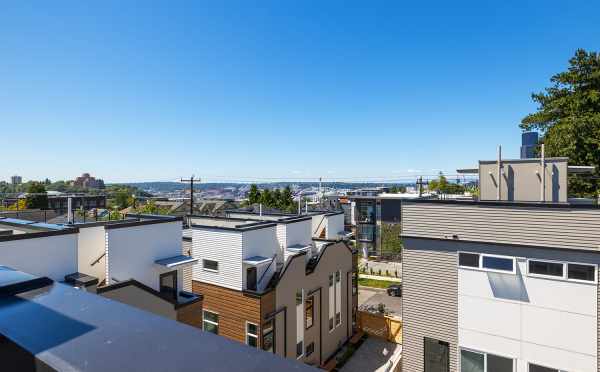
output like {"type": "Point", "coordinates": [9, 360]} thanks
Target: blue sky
{"type": "Point", "coordinates": [282, 89]}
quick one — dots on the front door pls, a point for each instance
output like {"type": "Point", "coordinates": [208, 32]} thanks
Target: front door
{"type": "Point", "coordinates": [168, 284]}
{"type": "Point", "coordinates": [251, 278]}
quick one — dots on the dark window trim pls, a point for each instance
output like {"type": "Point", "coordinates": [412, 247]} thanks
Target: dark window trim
{"type": "Point", "coordinates": [174, 289]}
{"type": "Point", "coordinates": [310, 299]}
{"type": "Point", "coordinates": [443, 343]}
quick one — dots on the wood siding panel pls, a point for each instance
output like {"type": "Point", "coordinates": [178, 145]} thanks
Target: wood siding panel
{"type": "Point", "coordinates": [430, 303]}
{"type": "Point", "coordinates": [191, 314]}
{"type": "Point", "coordinates": [572, 228]}
{"type": "Point", "coordinates": [234, 309]}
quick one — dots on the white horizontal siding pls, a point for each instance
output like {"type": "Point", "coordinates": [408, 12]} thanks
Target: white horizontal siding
{"type": "Point", "coordinates": [222, 246]}
{"type": "Point", "coordinates": [537, 226]}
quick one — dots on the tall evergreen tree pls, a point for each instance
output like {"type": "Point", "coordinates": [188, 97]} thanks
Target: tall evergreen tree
{"type": "Point", "coordinates": [568, 118]}
{"type": "Point", "coordinates": [253, 195]}
{"type": "Point", "coordinates": [37, 198]}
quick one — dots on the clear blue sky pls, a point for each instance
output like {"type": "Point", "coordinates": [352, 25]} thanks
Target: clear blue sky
{"type": "Point", "coordinates": [279, 89]}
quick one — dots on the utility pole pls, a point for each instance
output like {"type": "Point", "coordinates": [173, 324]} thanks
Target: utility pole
{"type": "Point", "coordinates": [191, 181]}
{"type": "Point", "coordinates": [420, 185]}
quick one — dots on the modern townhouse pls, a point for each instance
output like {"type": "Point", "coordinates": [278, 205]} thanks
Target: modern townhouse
{"type": "Point", "coordinates": [136, 261]}
{"type": "Point", "coordinates": [266, 283]}
{"type": "Point", "coordinates": [46, 325]}
{"type": "Point", "coordinates": [509, 284]}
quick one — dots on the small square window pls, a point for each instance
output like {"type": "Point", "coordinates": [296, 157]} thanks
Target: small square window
{"type": "Point", "coordinates": [299, 349]}
{"type": "Point", "coordinates": [210, 265]}
{"type": "Point", "coordinates": [468, 259]}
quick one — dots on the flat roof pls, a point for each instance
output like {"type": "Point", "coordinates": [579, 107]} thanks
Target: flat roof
{"type": "Point", "coordinates": [228, 223]}
{"type": "Point", "coordinates": [70, 329]}
{"type": "Point", "coordinates": [176, 261]}
{"type": "Point", "coordinates": [534, 204]}
{"type": "Point", "coordinates": [256, 260]}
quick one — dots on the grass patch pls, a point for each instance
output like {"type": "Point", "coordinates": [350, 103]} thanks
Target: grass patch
{"type": "Point", "coordinates": [375, 283]}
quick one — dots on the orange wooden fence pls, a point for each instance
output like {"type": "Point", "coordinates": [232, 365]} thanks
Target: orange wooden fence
{"type": "Point", "coordinates": [380, 325]}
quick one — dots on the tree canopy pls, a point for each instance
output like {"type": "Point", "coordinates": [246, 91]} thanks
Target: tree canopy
{"type": "Point", "coordinates": [568, 118]}
{"type": "Point", "coordinates": [442, 186]}
{"type": "Point", "coordinates": [282, 200]}
{"type": "Point", "coordinates": [37, 197]}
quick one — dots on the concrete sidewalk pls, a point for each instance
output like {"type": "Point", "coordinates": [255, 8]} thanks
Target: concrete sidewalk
{"type": "Point", "coordinates": [377, 277]}
{"type": "Point", "coordinates": [374, 355]}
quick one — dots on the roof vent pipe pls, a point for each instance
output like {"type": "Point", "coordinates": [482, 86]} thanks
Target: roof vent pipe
{"type": "Point", "coordinates": [498, 194]}
{"type": "Point", "coordinates": [543, 185]}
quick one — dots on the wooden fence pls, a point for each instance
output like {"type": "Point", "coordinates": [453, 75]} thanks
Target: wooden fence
{"type": "Point", "coordinates": [380, 325]}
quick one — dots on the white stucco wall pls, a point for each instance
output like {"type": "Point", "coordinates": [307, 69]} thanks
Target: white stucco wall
{"type": "Point", "coordinates": [547, 321]}
{"type": "Point", "coordinates": [133, 250]}
{"type": "Point", "coordinates": [90, 245]}
{"type": "Point", "coordinates": [52, 256]}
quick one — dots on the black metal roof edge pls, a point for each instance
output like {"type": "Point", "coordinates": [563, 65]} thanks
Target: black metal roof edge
{"type": "Point", "coordinates": [101, 223]}
{"type": "Point", "coordinates": [148, 289]}
{"type": "Point", "coordinates": [154, 216]}
{"type": "Point", "coordinates": [25, 286]}
{"type": "Point", "coordinates": [501, 244]}
{"type": "Point", "coordinates": [492, 203]}
{"type": "Point", "coordinates": [529, 160]}
{"type": "Point", "coordinates": [142, 223]}
{"type": "Point", "coordinates": [41, 234]}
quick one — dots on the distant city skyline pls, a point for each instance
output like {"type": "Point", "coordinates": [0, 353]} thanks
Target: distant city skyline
{"type": "Point", "coordinates": [232, 91]}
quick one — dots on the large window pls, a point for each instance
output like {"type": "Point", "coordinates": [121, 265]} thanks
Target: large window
{"type": "Point", "coordinates": [338, 298]}
{"type": "Point", "coordinates": [486, 262]}
{"type": "Point", "coordinates": [309, 311]}
{"type": "Point", "coordinates": [474, 361]}
{"type": "Point", "coordinates": [310, 348]}
{"type": "Point", "coordinates": [210, 265]}
{"type": "Point", "coordinates": [299, 349]}
{"type": "Point", "coordinates": [331, 298]}
{"type": "Point", "coordinates": [252, 334]}
{"type": "Point", "coordinates": [210, 322]}
{"type": "Point", "coordinates": [299, 322]}
{"type": "Point", "coordinates": [436, 355]}
{"type": "Point", "coordinates": [366, 212]}
{"type": "Point", "coordinates": [365, 232]}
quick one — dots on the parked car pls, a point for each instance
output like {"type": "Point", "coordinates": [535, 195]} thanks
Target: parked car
{"type": "Point", "coordinates": [395, 290]}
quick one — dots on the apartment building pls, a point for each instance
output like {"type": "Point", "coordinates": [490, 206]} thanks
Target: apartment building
{"type": "Point", "coordinates": [504, 285]}
{"type": "Point", "coordinates": [137, 261]}
{"type": "Point", "coordinates": [46, 325]}
{"type": "Point", "coordinates": [266, 283]}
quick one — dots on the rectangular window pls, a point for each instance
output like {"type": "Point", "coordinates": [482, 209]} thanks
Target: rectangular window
{"type": "Point", "coordinates": [300, 319]}
{"type": "Point", "coordinates": [338, 298]}
{"type": "Point", "coordinates": [252, 334]}
{"type": "Point", "coordinates": [546, 268]}
{"type": "Point", "coordinates": [538, 368]}
{"type": "Point", "coordinates": [331, 302]}
{"type": "Point", "coordinates": [310, 311]}
{"type": "Point", "coordinates": [498, 263]}
{"type": "Point", "coordinates": [299, 349]}
{"type": "Point", "coordinates": [168, 284]}
{"type": "Point", "coordinates": [581, 272]}
{"type": "Point", "coordinates": [210, 322]}
{"type": "Point", "coordinates": [468, 259]}
{"type": "Point", "coordinates": [474, 361]}
{"type": "Point", "coordinates": [310, 348]}
{"type": "Point", "coordinates": [436, 355]}
{"type": "Point", "coordinates": [210, 265]}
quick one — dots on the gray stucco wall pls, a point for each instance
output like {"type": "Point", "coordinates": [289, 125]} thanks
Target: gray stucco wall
{"type": "Point", "coordinates": [520, 182]}
{"type": "Point", "coordinates": [335, 257]}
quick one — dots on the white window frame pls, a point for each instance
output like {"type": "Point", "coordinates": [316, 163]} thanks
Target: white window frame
{"type": "Point", "coordinates": [565, 276]}
{"type": "Point", "coordinates": [209, 321]}
{"type": "Point", "coordinates": [331, 301]}
{"type": "Point", "coordinates": [481, 268]}
{"type": "Point", "coordinates": [248, 334]}
{"type": "Point", "coordinates": [210, 270]}
{"type": "Point", "coordinates": [595, 281]}
{"type": "Point", "coordinates": [338, 296]}
{"type": "Point", "coordinates": [542, 365]}
{"type": "Point", "coordinates": [535, 275]}
{"type": "Point", "coordinates": [485, 357]}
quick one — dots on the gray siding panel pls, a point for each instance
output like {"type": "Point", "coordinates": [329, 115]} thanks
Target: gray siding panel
{"type": "Point", "coordinates": [430, 301]}
{"type": "Point", "coordinates": [186, 249]}
{"type": "Point", "coordinates": [552, 227]}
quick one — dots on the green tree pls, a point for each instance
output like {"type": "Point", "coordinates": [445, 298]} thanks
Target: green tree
{"type": "Point", "coordinates": [151, 208]}
{"type": "Point", "coordinates": [390, 238]}
{"type": "Point", "coordinates": [266, 198]}
{"type": "Point", "coordinates": [442, 186]}
{"type": "Point", "coordinates": [287, 200]}
{"type": "Point", "coordinates": [398, 189]}
{"type": "Point", "coordinates": [122, 199]}
{"type": "Point", "coordinates": [568, 117]}
{"type": "Point", "coordinates": [37, 197]}
{"type": "Point", "coordinates": [253, 195]}
{"type": "Point", "coordinates": [277, 200]}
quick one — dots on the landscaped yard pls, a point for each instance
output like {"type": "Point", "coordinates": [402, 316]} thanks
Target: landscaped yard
{"type": "Point", "coordinates": [375, 283]}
